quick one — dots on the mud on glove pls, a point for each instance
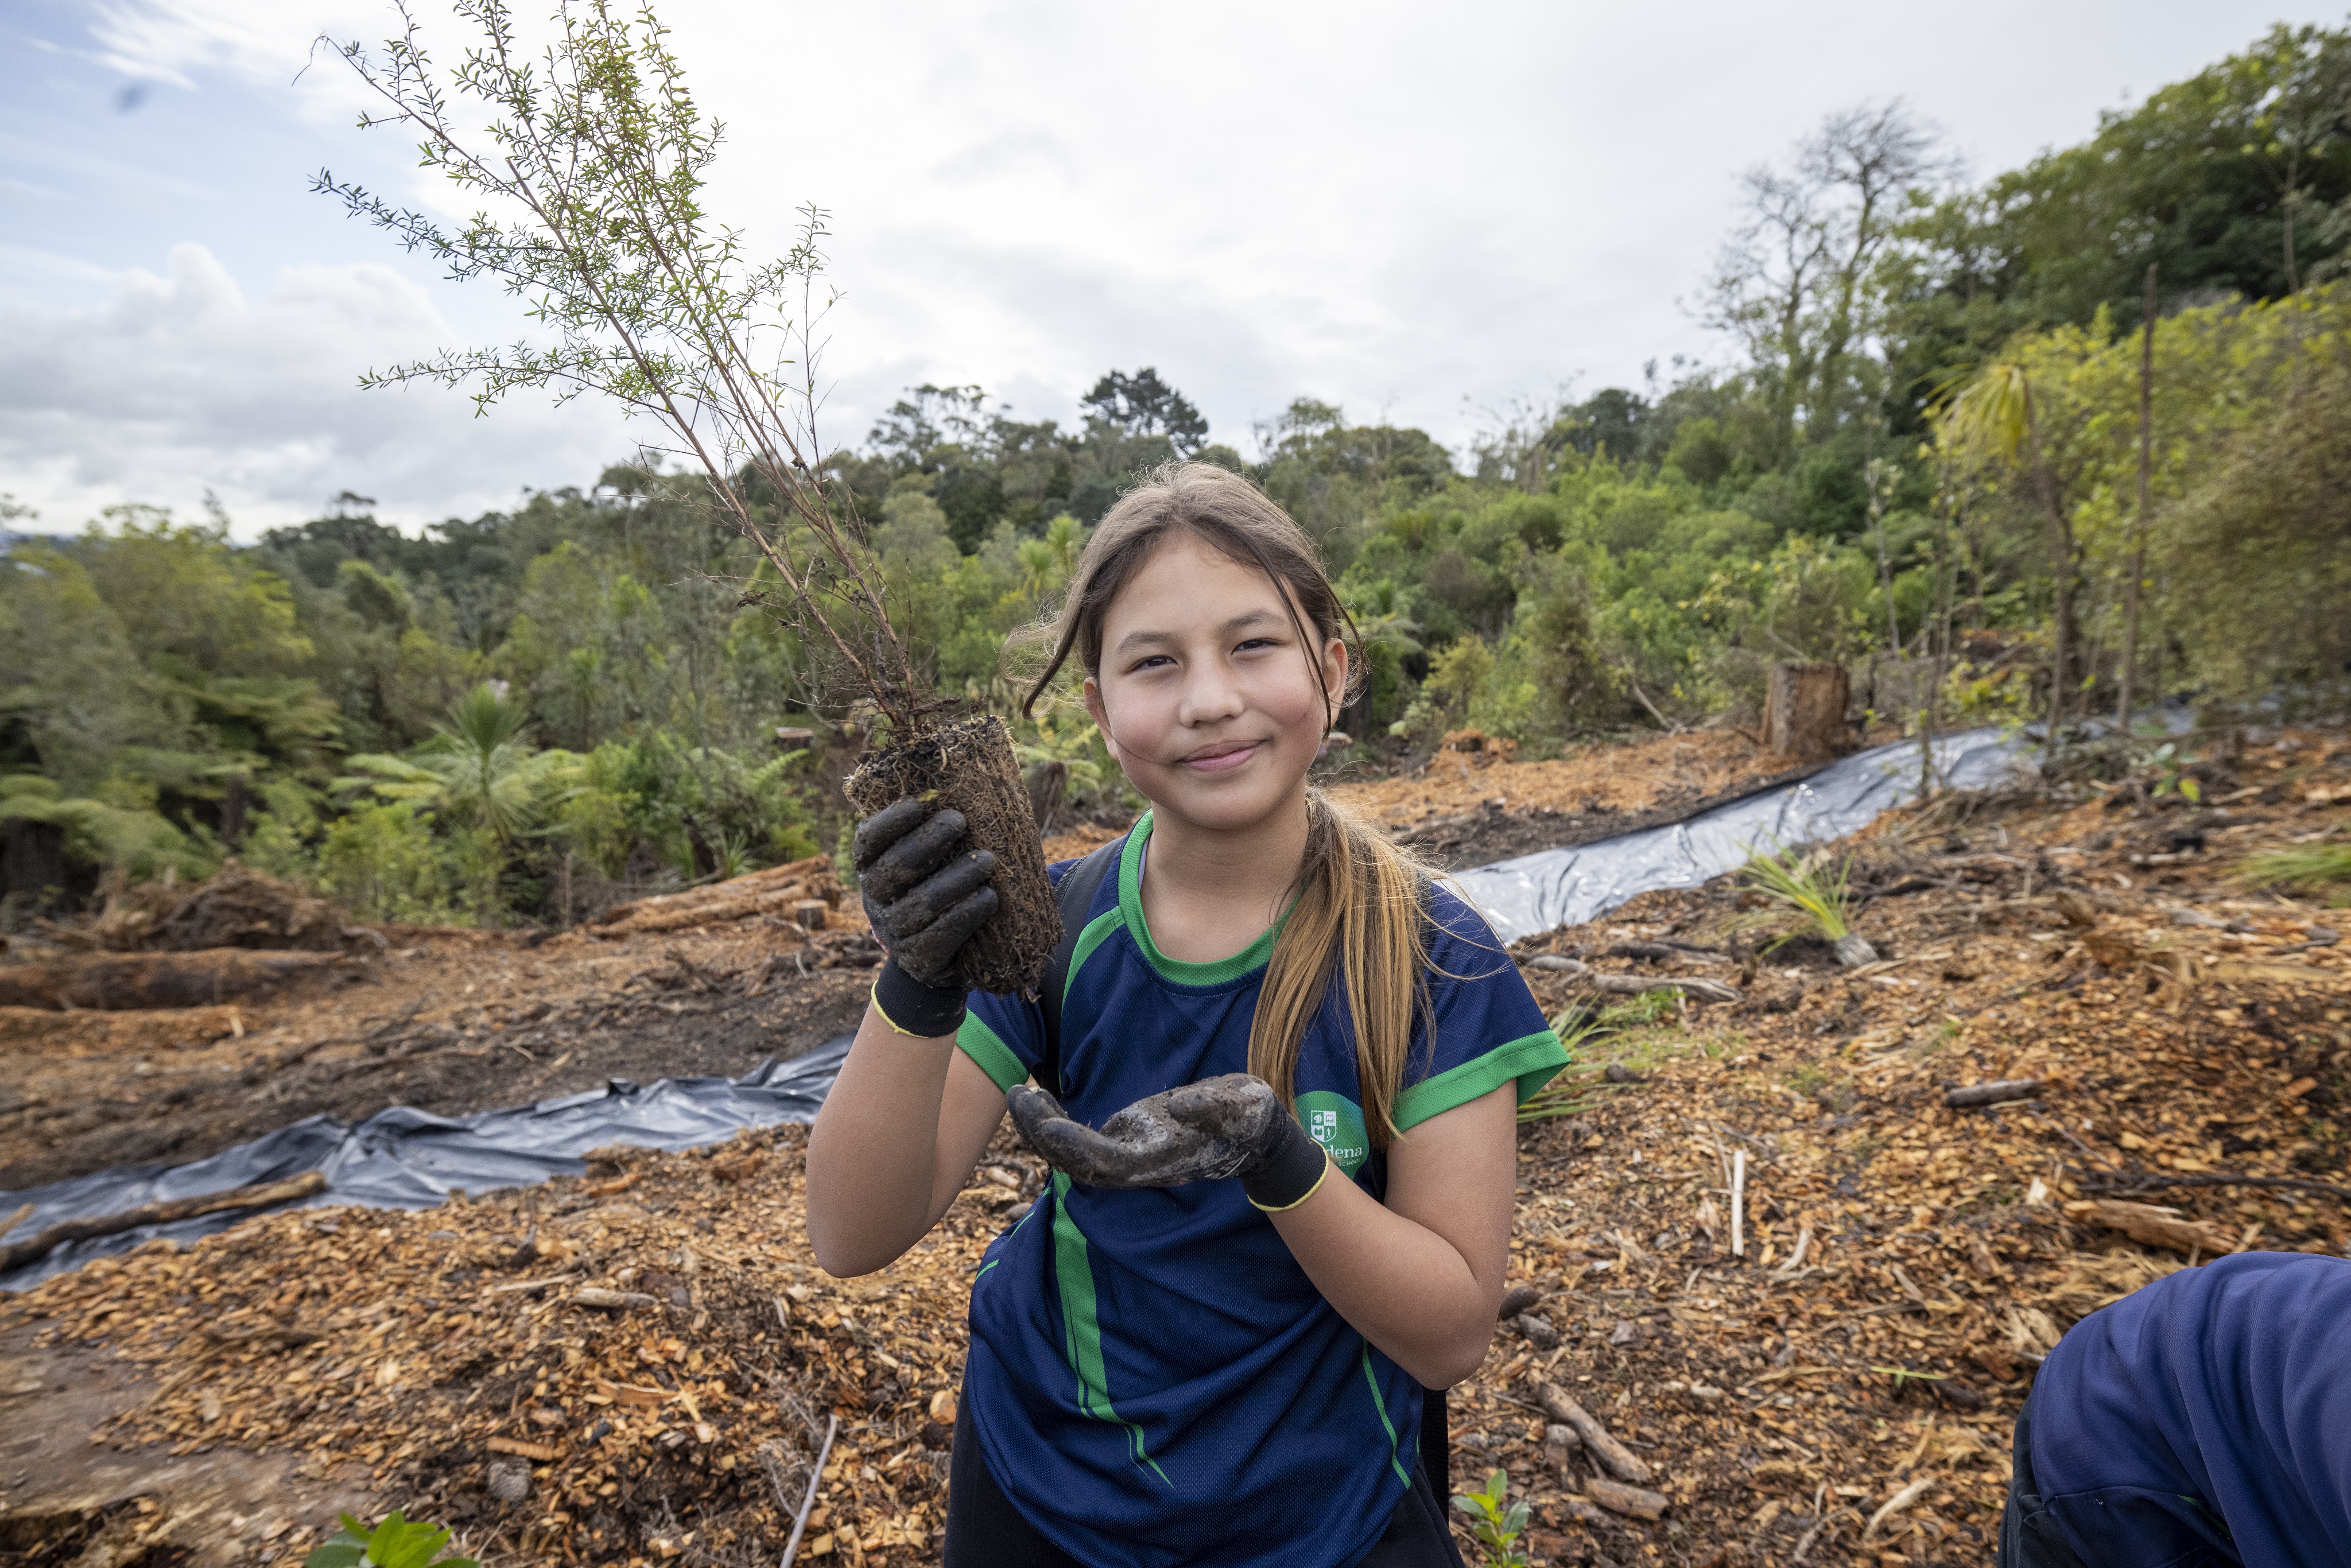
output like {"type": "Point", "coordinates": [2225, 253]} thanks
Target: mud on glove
{"type": "Point", "coordinates": [1229, 1126]}
{"type": "Point", "coordinates": [926, 896]}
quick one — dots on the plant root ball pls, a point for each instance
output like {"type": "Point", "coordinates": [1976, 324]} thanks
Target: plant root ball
{"type": "Point", "coordinates": [970, 766]}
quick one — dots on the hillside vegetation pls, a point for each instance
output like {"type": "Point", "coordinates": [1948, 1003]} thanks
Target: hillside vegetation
{"type": "Point", "coordinates": [1920, 454]}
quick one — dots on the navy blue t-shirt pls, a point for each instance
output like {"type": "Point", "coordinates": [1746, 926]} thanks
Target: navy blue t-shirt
{"type": "Point", "coordinates": [2205, 1419]}
{"type": "Point", "coordinates": [1152, 1379]}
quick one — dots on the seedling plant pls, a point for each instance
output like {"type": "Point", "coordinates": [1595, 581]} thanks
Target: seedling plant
{"type": "Point", "coordinates": [397, 1542]}
{"type": "Point", "coordinates": [1816, 888]}
{"type": "Point", "coordinates": [1496, 1524]}
{"type": "Point", "coordinates": [591, 158]}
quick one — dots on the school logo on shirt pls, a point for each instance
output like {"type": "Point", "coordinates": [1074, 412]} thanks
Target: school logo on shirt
{"type": "Point", "coordinates": [1336, 1123]}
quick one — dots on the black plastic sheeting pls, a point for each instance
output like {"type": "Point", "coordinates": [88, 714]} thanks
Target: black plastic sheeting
{"type": "Point", "coordinates": [404, 1158]}
{"type": "Point", "coordinates": [1566, 887]}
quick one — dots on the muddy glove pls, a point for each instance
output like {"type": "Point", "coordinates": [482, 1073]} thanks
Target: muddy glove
{"type": "Point", "coordinates": [1227, 1126]}
{"type": "Point", "coordinates": [926, 895]}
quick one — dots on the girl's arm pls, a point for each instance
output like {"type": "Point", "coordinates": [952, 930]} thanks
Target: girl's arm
{"type": "Point", "coordinates": [895, 1141]}
{"type": "Point", "coordinates": [1421, 1276]}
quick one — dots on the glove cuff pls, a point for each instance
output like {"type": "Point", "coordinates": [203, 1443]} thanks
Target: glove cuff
{"type": "Point", "coordinates": [1292, 1171]}
{"type": "Point", "coordinates": [912, 1008]}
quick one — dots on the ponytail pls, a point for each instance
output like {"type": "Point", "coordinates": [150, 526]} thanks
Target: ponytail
{"type": "Point", "coordinates": [1362, 909]}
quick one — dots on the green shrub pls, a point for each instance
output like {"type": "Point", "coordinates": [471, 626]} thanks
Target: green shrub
{"type": "Point", "coordinates": [382, 863]}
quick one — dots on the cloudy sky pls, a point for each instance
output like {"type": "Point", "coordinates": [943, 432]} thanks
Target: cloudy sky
{"type": "Point", "coordinates": [1417, 210]}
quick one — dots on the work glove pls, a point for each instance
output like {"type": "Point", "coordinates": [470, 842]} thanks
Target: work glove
{"type": "Point", "coordinates": [1229, 1126]}
{"type": "Point", "coordinates": [924, 895]}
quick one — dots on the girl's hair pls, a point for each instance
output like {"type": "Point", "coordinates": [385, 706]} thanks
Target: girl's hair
{"type": "Point", "coordinates": [1360, 901]}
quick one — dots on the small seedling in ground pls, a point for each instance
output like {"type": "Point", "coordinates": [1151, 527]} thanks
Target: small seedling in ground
{"type": "Point", "coordinates": [1497, 1527]}
{"type": "Point", "coordinates": [2171, 766]}
{"type": "Point", "coordinates": [1902, 1374]}
{"type": "Point", "coordinates": [1817, 889]}
{"type": "Point", "coordinates": [1581, 1026]}
{"type": "Point", "coordinates": [397, 1542]}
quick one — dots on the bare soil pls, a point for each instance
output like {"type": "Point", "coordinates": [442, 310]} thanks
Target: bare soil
{"type": "Point", "coordinates": [450, 1022]}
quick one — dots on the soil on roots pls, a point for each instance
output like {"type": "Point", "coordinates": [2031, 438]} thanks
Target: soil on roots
{"type": "Point", "coordinates": [970, 767]}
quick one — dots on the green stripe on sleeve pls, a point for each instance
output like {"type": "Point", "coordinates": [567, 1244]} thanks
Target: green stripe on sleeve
{"type": "Point", "coordinates": [1073, 1273]}
{"type": "Point", "coordinates": [1533, 1061]}
{"type": "Point", "coordinates": [985, 1046]}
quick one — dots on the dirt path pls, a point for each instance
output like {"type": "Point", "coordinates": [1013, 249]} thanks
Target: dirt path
{"type": "Point", "coordinates": [449, 1024]}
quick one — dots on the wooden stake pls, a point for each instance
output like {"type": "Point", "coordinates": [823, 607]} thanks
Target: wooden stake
{"type": "Point", "coordinates": [1739, 1203]}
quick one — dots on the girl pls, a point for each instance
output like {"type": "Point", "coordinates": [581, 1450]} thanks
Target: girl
{"type": "Point", "coordinates": [1168, 1365]}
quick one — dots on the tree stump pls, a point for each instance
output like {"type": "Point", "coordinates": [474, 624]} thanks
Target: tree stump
{"type": "Point", "coordinates": [1803, 716]}
{"type": "Point", "coordinates": [1048, 782]}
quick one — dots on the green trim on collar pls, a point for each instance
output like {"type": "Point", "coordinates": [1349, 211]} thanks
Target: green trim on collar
{"type": "Point", "coordinates": [1130, 903]}
{"type": "Point", "coordinates": [1533, 1061]}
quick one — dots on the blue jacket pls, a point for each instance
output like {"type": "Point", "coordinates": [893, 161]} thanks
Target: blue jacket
{"type": "Point", "coordinates": [2205, 1419]}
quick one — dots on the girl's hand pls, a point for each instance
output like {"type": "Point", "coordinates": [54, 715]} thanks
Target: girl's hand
{"type": "Point", "coordinates": [1227, 1126]}
{"type": "Point", "coordinates": [925, 901]}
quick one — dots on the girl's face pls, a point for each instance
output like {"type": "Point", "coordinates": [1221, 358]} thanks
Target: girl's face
{"type": "Point", "coordinates": [1205, 695]}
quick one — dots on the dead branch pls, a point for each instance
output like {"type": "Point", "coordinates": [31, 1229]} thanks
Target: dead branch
{"type": "Point", "coordinates": [1692, 985]}
{"type": "Point", "coordinates": [1560, 1405]}
{"type": "Point", "coordinates": [1993, 1094]}
{"type": "Point", "coordinates": [2151, 1181]}
{"type": "Point", "coordinates": [816, 1475]}
{"type": "Point", "coordinates": [265, 1195]}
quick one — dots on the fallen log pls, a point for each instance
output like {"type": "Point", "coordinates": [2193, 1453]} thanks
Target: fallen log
{"type": "Point", "coordinates": [782, 900]}
{"type": "Point", "coordinates": [1691, 986]}
{"type": "Point", "coordinates": [1617, 1497]}
{"type": "Point", "coordinates": [1560, 1405]}
{"type": "Point", "coordinates": [2155, 1226]}
{"type": "Point", "coordinates": [113, 982]}
{"type": "Point", "coordinates": [777, 887]}
{"type": "Point", "coordinates": [265, 1194]}
{"type": "Point", "coordinates": [1997, 1093]}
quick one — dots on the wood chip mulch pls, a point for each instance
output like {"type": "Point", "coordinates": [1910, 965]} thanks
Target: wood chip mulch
{"type": "Point", "coordinates": [1833, 1381]}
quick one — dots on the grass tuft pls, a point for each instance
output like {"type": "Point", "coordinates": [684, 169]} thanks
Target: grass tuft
{"type": "Point", "coordinates": [2310, 866]}
{"type": "Point", "coordinates": [1813, 886]}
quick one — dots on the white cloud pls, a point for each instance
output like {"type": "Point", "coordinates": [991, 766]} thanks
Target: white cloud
{"type": "Point", "coordinates": [1411, 209]}
{"type": "Point", "coordinates": [179, 384]}
{"type": "Point", "coordinates": [183, 41]}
